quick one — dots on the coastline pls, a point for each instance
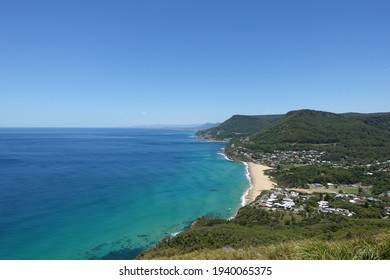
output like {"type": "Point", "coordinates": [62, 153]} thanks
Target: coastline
{"type": "Point", "coordinates": [258, 182]}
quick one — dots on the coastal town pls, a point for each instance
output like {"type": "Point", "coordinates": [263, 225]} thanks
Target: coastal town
{"type": "Point", "coordinates": [306, 157]}
{"type": "Point", "coordinates": [351, 200]}
{"type": "Point", "coordinates": [307, 203]}
{"type": "Point", "coordinates": [282, 157]}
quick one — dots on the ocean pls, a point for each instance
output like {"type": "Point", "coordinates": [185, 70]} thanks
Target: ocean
{"type": "Point", "coordinates": [107, 193]}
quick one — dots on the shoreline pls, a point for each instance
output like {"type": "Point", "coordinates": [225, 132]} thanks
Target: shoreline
{"type": "Point", "coordinates": [258, 182]}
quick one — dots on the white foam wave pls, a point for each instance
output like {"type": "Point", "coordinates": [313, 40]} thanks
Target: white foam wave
{"type": "Point", "coordinates": [245, 196]}
{"type": "Point", "coordinates": [175, 233]}
{"type": "Point", "coordinates": [222, 153]}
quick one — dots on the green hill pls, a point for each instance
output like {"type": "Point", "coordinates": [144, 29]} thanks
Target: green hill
{"type": "Point", "coordinates": [349, 136]}
{"type": "Point", "coordinates": [317, 127]}
{"type": "Point", "coordinates": [238, 127]}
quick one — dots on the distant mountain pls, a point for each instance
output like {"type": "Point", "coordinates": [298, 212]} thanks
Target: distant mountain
{"type": "Point", "coordinates": [207, 126]}
{"type": "Point", "coordinates": [352, 136]}
{"type": "Point", "coordinates": [179, 126]}
{"type": "Point", "coordinates": [380, 120]}
{"type": "Point", "coordinates": [238, 127]}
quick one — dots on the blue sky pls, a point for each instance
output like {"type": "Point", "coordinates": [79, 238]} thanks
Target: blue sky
{"type": "Point", "coordinates": [122, 63]}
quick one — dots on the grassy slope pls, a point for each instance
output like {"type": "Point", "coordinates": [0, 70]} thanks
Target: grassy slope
{"type": "Point", "coordinates": [375, 247]}
{"type": "Point", "coordinates": [261, 234]}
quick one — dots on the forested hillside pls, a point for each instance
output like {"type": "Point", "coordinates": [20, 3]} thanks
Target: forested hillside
{"type": "Point", "coordinates": [238, 127]}
{"type": "Point", "coordinates": [353, 137]}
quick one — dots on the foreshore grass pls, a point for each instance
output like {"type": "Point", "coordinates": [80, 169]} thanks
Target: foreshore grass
{"type": "Point", "coordinates": [376, 247]}
{"type": "Point", "coordinates": [261, 234]}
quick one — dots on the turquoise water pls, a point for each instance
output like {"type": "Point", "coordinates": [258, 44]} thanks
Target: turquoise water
{"type": "Point", "coordinates": [107, 193]}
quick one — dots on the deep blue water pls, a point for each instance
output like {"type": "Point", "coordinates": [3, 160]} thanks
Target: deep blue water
{"type": "Point", "coordinates": [96, 193]}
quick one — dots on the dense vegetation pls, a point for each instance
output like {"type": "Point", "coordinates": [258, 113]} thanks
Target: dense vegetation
{"type": "Point", "coordinates": [300, 176]}
{"type": "Point", "coordinates": [361, 248]}
{"type": "Point", "coordinates": [257, 228]}
{"type": "Point", "coordinates": [238, 127]}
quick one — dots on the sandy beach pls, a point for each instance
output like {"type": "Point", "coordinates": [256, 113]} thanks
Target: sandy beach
{"type": "Point", "coordinates": [259, 181]}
